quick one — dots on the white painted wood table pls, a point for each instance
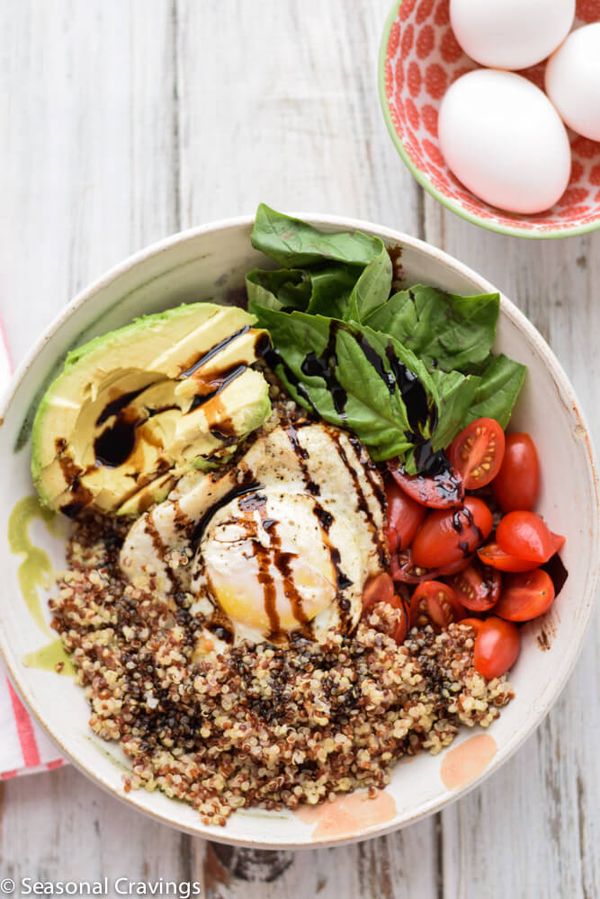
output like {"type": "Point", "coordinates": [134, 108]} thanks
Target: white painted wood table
{"type": "Point", "coordinates": [125, 121]}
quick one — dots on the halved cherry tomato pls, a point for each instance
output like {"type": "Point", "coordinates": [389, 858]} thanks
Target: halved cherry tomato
{"type": "Point", "coordinates": [526, 596]}
{"type": "Point", "coordinates": [436, 604]}
{"type": "Point", "coordinates": [527, 536]}
{"type": "Point", "coordinates": [477, 588]}
{"type": "Point", "coordinates": [477, 452]}
{"type": "Point", "coordinates": [377, 589]}
{"type": "Point", "coordinates": [455, 567]}
{"type": "Point", "coordinates": [405, 571]}
{"type": "Point", "coordinates": [404, 516]}
{"type": "Point", "coordinates": [400, 630]}
{"type": "Point", "coordinates": [446, 537]}
{"type": "Point", "coordinates": [444, 490]}
{"type": "Point", "coordinates": [496, 558]}
{"type": "Point", "coordinates": [517, 484]}
{"type": "Point", "coordinates": [475, 623]}
{"type": "Point", "coordinates": [497, 647]}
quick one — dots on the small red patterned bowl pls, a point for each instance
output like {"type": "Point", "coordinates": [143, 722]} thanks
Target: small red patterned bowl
{"type": "Point", "coordinates": [419, 59]}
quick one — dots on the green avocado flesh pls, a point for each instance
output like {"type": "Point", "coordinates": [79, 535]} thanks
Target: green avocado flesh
{"type": "Point", "coordinates": [135, 408]}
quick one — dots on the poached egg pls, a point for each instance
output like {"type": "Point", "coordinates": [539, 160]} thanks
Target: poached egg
{"type": "Point", "coordinates": [281, 544]}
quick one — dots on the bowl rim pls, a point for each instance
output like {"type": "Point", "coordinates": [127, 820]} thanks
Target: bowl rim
{"type": "Point", "coordinates": [453, 205]}
{"type": "Point", "coordinates": [88, 295]}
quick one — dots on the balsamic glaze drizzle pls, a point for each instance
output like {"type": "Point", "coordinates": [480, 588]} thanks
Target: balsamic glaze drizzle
{"type": "Point", "coordinates": [324, 517]}
{"type": "Point", "coordinates": [396, 375]}
{"type": "Point", "coordinates": [79, 494]}
{"type": "Point", "coordinates": [273, 555]}
{"type": "Point", "coordinates": [557, 571]}
{"type": "Point", "coordinates": [418, 408]}
{"type": "Point", "coordinates": [114, 446]}
{"type": "Point", "coordinates": [219, 382]}
{"type": "Point", "coordinates": [362, 503]}
{"type": "Point", "coordinates": [212, 352]}
{"type": "Point", "coordinates": [462, 520]}
{"type": "Point", "coordinates": [247, 486]}
{"type": "Point", "coordinates": [324, 367]}
{"type": "Point", "coordinates": [118, 404]}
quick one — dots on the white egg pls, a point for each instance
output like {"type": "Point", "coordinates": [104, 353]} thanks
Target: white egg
{"type": "Point", "coordinates": [510, 34]}
{"type": "Point", "coordinates": [573, 81]}
{"type": "Point", "coordinates": [504, 140]}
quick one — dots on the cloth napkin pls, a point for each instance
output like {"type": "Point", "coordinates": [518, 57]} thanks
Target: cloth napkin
{"type": "Point", "coordinates": [24, 749]}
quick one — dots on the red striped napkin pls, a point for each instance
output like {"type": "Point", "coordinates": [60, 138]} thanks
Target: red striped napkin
{"type": "Point", "coordinates": [24, 749]}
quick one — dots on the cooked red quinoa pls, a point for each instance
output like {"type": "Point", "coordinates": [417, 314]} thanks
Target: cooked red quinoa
{"type": "Point", "coordinates": [258, 725]}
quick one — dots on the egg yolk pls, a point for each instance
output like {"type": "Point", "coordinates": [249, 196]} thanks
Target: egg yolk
{"type": "Point", "coordinates": [270, 572]}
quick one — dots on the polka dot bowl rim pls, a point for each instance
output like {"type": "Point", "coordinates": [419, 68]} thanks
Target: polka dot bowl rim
{"type": "Point", "coordinates": [455, 205]}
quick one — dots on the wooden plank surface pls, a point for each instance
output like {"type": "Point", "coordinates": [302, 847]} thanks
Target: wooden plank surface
{"type": "Point", "coordinates": [538, 820]}
{"type": "Point", "coordinates": [125, 121]}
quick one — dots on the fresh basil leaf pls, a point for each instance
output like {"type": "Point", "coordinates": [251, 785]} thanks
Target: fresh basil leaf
{"type": "Point", "coordinates": [353, 377]}
{"type": "Point", "coordinates": [361, 359]}
{"type": "Point", "coordinates": [325, 289]}
{"type": "Point", "coordinates": [372, 288]}
{"type": "Point", "coordinates": [332, 286]}
{"type": "Point", "coordinates": [456, 392]}
{"type": "Point", "coordinates": [298, 337]}
{"type": "Point", "coordinates": [445, 330]}
{"type": "Point", "coordinates": [500, 385]}
{"type": "Point", "coordinates": [390, 393]}
{"type": "Point", "coordinates": [278, 289]}
{"type": "Point", "coordinates": [295, 244]}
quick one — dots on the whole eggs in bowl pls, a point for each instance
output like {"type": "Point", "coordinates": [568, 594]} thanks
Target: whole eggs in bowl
{"type": "Point", "coordinates": [421, 61]}
{"type": "Point", "coordinates": [210, 263]}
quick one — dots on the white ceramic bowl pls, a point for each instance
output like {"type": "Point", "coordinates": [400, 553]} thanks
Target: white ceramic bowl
{"type": "Point", "coordinates": [210, 262]}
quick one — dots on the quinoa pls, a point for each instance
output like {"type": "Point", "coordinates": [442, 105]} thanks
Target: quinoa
{"type": "Point", "coordinates": [256, 725]}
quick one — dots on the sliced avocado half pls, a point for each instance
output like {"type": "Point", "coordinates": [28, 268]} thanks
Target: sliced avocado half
{"type": "Point", "coordinates": [135, 408]}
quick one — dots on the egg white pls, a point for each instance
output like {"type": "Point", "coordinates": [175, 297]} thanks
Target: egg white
{"type": "Point", "coordinates": [283, 543]}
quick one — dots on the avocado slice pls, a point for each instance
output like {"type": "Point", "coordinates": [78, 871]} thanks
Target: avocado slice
{"type": "Point", "coordinates": [135, 408]}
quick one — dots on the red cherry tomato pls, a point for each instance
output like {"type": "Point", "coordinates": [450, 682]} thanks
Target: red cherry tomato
{"type": "Point", "coordinates": [442, 491]}
{"type": "Point", "coordinates": [377, 589]}
{"type": "Point", "coordinates": [496, 558]}
{"type": "Point", "coordinates": [405, 571]}
{"type": "Point", "coordinates": [455, 567]}
{"type": "Point", "coordinates": [475, 623]}
{"type": "Point", "coordinates": [401, 629]}
{"type": "Point", "coordinates": [404, 516]}
{"type": "Point", "coordinates": [527, 536]}
{"type": "Point", "coordinates": [477, 588]}
{"type": "Point", "coordinates": [497, 647]}
{"type": "Point", "coordinates": [526, 596]}
{"type": "Point", "coordinates": [436, 604]}
{"type": "Point", "coordinates": [517, 484]}
{"type": "Point", "coordinates": [477, 452]}
{"type": "Point", "coordinates": [446, 537]}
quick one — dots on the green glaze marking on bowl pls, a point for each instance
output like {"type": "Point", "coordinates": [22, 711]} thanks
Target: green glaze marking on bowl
{"type": "Point", "coordinates": [36, 570]}
{"type": "Point", "coordinates": [48, 657]}
{"type": "Point", "coordinates": [257, 814]}
{"type": "Point", "coordinates": [117, 763]}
